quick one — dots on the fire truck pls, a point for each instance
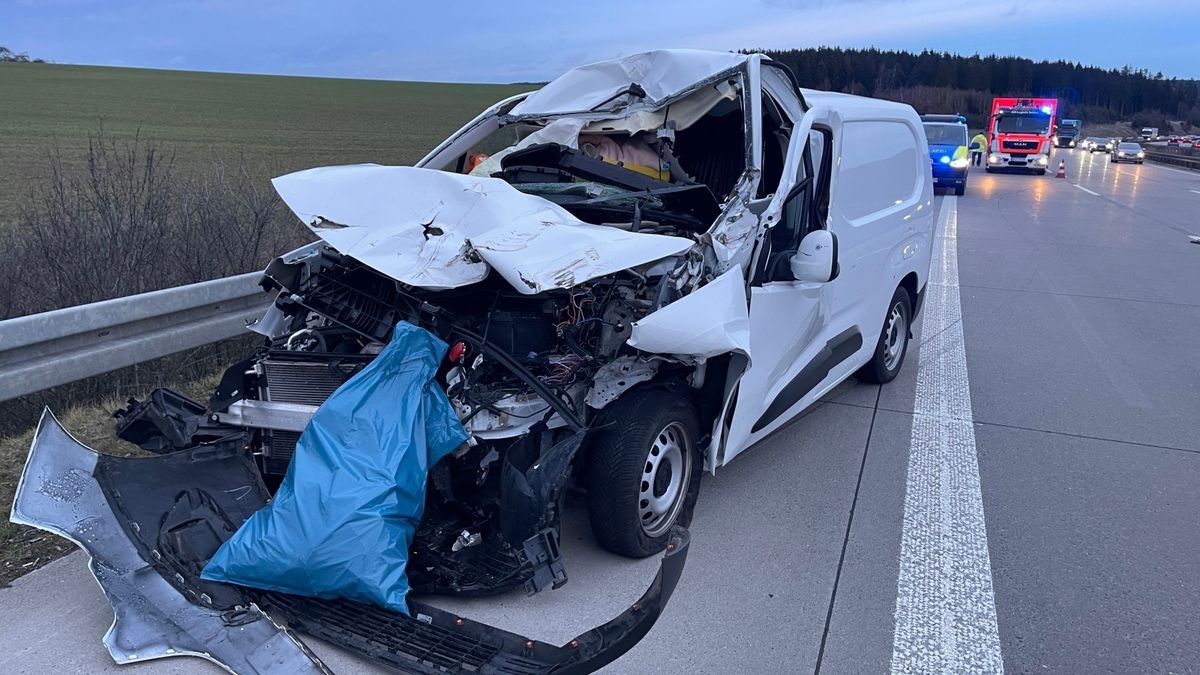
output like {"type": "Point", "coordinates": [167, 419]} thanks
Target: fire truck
{"type": "Point", "coordinates": [1020, 133]}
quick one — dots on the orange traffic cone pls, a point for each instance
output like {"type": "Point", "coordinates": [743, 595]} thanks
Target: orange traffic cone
{"type": "Point", "coordinates": [1062, 169]}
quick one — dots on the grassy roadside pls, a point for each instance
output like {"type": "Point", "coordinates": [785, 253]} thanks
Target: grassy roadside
{"type": "Point", "coordinates": [278, 124]}
{"type": "Point", "coordinates": [25, 549]}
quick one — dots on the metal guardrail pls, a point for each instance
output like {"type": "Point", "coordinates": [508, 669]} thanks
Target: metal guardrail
{"type": "Point", "coordinates": [1188, 158]}
{"type": "Point", "coordinates": [45, 350]}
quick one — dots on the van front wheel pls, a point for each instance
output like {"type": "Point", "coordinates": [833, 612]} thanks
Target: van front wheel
{"type": "Point", "coordinates": [643, 471]}
{"type": "Point", "coordinates": [892, 346]}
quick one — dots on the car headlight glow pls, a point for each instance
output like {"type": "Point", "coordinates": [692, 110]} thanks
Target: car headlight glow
{"type": "Point", "coordinates": [1121, 154]}
{"type": "Point", "coordinates": [1141, 153]}
{"type": "Point", "coordinates": [1043, 160]}
{"type": "Point", "coordinates": [945, 159]}
{"type": "Point", "coordinates": [993, 158]}
{"type": "Point", "coordinates": [960, 163]}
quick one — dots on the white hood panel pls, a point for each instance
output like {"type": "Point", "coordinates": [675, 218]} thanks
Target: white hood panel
{"type": "Point", "coordinates": [414, 226]}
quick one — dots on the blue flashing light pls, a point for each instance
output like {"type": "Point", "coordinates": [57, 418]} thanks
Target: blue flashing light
{"type": "Point", "coordinates": [945, 159]}
{"type": "Point", "coordinates": [1047, 109]}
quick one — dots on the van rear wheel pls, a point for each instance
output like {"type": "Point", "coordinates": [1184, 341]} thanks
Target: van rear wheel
{"type": "Point", "coordinates": [643, 471]}
{"type": "Point", "coordinates": [892, 346]}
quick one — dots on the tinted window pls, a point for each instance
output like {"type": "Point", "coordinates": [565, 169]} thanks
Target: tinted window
{"type": "Point", "coordinates": [946, 134]}
{"type": "Point", "coordinates": [880, 167]}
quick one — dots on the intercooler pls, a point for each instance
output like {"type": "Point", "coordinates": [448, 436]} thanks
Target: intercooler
{"type": "Point", "coordinates": [306, 381]}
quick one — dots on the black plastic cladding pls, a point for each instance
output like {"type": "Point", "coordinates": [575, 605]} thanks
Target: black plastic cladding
{"type": "Point", "coordinates": [432, 641]}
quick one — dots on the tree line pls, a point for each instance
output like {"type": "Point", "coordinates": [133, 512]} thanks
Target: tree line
{"type": "Point", "coordinates": [9, 56]}
{"type": "Point", "coordinates": [942, 82]}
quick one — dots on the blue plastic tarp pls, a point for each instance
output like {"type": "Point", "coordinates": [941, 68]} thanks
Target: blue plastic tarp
{"type": "Point", "coordinates": [342, 521]}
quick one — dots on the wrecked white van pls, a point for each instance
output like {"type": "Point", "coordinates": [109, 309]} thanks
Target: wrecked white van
{"type": "Point", "coordinates": [635, 273]}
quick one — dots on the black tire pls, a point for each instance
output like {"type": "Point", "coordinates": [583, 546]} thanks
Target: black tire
{"type": "Point", "coordinates": [885, 365]}
{"type": "Point", "coordinates": [618, 463]}
{"type": "Point", "coordinates": [959, 190]}
{"type": "Point", "coordinates": [1041, 172]}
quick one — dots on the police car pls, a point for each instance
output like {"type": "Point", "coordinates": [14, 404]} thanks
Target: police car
{"type": "Point", "coordinates": [948, 152]}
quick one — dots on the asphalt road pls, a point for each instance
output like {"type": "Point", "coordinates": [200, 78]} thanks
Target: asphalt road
{"type": "Point", "coordinates": [1080, 317]}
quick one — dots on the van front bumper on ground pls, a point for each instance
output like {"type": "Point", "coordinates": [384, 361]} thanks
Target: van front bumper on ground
{"type": "Point", "coordinates": [150, 523]}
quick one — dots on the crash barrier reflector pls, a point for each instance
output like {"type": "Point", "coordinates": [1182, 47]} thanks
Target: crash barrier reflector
{"type": "Point", "coordinates": [45, 350]}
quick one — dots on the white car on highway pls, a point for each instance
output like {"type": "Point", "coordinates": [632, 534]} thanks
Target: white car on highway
{"type": "Point", "coordinates": [630, 275]}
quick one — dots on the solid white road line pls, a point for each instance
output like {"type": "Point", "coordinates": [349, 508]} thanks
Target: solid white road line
{"type": "Point", "coordinates": [945, 606]}
{"type": "Point", "coordinates": [1094, 194]}
{"type": "Point", "coordinates": [1196, 191]}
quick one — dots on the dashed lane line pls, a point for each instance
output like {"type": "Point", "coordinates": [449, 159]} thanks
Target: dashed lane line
{"type": "Point", "coordinates": [1094, 194]}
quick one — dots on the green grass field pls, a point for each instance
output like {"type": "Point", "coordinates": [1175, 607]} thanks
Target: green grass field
{"type": "Point", "coordinates": [278, 124]}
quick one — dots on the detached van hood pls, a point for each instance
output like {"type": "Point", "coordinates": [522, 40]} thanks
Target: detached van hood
{"type": "Point", "coordinates": [439, 230]}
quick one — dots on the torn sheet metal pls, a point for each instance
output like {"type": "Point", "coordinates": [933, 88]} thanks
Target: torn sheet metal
{"type": "Point", "coordinates": [343, 520]}
{"type": "Point", "coordinates": [59, 493]}
{"type": "Point", "coordinates": [712, 320]}
{"type": "Point", "coordinates": [661, 74]}
{"type": "Point", "coordinates": [733, 236]}
{"type": "Point", "coordinates": [618, 376]}
{"type": "Point", "coordinates": [414, 226]}
{"type": "Point", "coordinates": [535, 258]}
{"type": "Point", "coordinates": [683, 113]}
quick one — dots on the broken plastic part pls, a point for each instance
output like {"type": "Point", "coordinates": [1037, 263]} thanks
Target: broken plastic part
{"type": "Point", "coordinates": [59, 492]}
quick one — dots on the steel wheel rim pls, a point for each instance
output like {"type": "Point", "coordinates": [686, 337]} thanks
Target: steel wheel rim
{"type": "Point", "coordinates": [665, 477]}
{"type": "Point", "coordinates": [893, 338]}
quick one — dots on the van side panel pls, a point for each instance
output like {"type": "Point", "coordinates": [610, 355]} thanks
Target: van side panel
{"type": "Point", "coordinates": [882, 209]}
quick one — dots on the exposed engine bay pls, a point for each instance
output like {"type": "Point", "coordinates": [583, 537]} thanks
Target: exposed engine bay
{"type": "Point", "coordinates": [532, 363]}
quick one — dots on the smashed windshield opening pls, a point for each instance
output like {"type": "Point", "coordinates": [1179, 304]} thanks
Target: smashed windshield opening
{"type": "Point", "coordinates": [946, 134]}
{"type": "Point", "coordinates": [1023, 124]}
{"type": "Point", "coordinates": [660, 171]}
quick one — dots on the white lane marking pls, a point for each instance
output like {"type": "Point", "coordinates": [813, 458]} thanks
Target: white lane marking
{"type": "Point", "coordinates": [945, 605]}
{"type": "Point", "coordinates": [1196, 191]}
{"type": "Point", "coordinates": [1094, 194]}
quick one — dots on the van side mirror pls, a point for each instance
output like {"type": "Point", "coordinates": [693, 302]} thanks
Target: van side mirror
{"type": "Point", "coordinates": [817, 259]}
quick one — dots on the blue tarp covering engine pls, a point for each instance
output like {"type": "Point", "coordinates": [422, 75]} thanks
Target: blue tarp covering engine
{"type": "Point", "coordinates": [342, 521]}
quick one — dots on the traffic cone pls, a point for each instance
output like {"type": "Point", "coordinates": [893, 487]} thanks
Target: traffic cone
{"type": "Point", "coordinates": [1062, 169]}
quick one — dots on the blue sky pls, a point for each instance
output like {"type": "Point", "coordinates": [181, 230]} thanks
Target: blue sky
{"type": "Point", "coordinates": [466, 41]}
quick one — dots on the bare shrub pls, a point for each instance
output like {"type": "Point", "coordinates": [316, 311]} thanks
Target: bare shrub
{"type": "Point", "coordinates": [129, 222]}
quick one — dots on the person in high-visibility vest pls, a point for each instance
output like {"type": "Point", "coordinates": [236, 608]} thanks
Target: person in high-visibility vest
{"type": "Point", "coordinates": [978, 147]}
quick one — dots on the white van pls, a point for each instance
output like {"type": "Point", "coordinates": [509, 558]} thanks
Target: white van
{"type": "Point", "coordinates": [630, 275]}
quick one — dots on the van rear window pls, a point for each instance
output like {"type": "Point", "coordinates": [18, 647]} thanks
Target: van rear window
{"type": "Point", "coordinates": [880, 167]}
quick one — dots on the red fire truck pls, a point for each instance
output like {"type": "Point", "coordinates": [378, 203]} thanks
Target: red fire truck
{"type": "Point", "coordinates": [1020, 133]}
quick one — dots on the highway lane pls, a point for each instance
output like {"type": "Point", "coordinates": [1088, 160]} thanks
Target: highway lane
{"type": "Point", "coordinates": [1080, 311]}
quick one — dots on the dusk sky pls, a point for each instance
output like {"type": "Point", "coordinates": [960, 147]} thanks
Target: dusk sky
{"type": "Point", "coordinates": [509, 42]}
